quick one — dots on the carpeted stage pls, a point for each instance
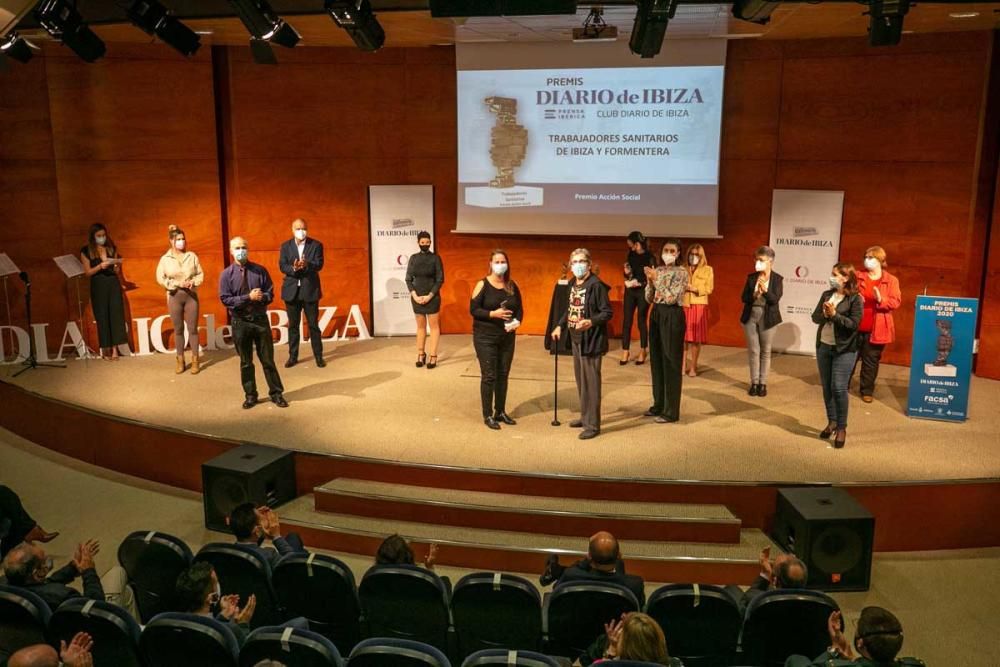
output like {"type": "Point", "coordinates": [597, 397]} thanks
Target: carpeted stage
{"type": "Point", "coordinates": [370, 401]}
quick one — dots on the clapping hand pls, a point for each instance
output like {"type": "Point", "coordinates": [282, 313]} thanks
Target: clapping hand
{"type": "Point", "coordinates": [83, 557]}
{"type": "Point", "coordinates": [256, 294]}
{"type": "Point", "coordinates": [838, 641]}
{"type": "Point", "coordinates": [77, 652]}
{"type": "Point", "coordinates": [766, 569]}
{"type": "Point", "coordinates": [269, 522]}
{"type": "Point", "coordinates": [299, 265]}
{"type": "Point", "coordinates": [229, 606]}
{"type": "Point", "coordinates": [244, 615]}
{"type": "Point", "coordinates": [878, 295]}
{"type": "Point", "coordinates": [431, 558]}
{"type": "Point", "coordinates": [650, 272]}
{"type": "Point", "coordinates": [829, 309]}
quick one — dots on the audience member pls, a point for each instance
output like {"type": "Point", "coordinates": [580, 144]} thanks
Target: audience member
{"type": "Point", "coordinates": [270, 663]}
{"type": "Point", "coordinates": [16, 525]}
{"type": "Point", "coordinates": [28, 566]}
{"type": "Point", "coordinates": [787, 571]}
{"type": "Point", "coordinates": [635, 637]}
{"type": "Point", "coordinates": [878, 640]}
{"type": "Point", "coordinates": [75, 654]}
{"type": "Point", "coordinates": [252, 525]}
{"type": "Point", "coordinates": [395, 550]}
{"type": "Point", "coordinates": [603, 564]}
{"type": "Point", "coordinates": [198, 592]}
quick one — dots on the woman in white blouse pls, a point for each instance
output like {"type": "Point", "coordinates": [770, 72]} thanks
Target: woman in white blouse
{"type": "Point", "coordinates": [179, 272]}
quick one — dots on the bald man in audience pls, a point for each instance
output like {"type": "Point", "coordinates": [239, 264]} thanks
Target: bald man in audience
{"type": "Point", "coordinates": [787, 571]}
{"type": "Point", "coordinates": [75, 654]}
{"type": "Point", "coordinates": [602, 565]}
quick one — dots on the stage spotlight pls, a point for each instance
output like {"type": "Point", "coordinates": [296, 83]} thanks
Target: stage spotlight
{"type": "Point", "coordinates": [463, 8]}
{"type": "Point", "coordinates": [650, 26]}
{"type": "Point", "coordinates": [61, 20]}
{"type": "Point", "coordinates": [153, 18]}
{"type": "Point", "coordinates": [16, 48]}
{"type": "Point", "coordinates": [754, 11]}
{"type": "Point", "coordinates": [264, 24]}
{"type": "Point", "coordinates": [886, 25]}
{"type": "Point", "coordinates": [357, 19]}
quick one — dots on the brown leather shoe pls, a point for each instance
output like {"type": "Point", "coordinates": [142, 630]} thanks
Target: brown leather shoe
{"type": "Point", "coordinates": [180, 365]}
{"type": "Point", "coordinates": [866, 399]}
{"type": "Point", "coordinates": [195, 365]}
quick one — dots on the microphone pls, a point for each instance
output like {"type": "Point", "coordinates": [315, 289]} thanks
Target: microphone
{"type": "Point", "coordinates": [23, 275]}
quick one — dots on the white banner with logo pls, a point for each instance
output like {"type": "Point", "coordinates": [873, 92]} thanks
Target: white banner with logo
{"type": "Point", "coordinates": [805, 236]}
{"type": "Point", "coordinates": [397, 213]}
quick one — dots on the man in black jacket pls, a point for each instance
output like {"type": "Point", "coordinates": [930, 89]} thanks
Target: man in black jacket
{"type": "Point", "coordinates": [602, 565]}
{"type": "Point", "coordinates": [787, 571]}
{"type": "Point", "coordinates": [252, 525]}
{"type": "Point", "coordinates": [27, 566]}
{"type": "Point", "coordinates": [587, 321]}
{"type": "Point", "coordinates": [301, 260]}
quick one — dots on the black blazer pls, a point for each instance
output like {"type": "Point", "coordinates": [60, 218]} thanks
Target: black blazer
{"type": "Point", "coordinates": [597, 309]}
{"type": "Point", "coordinates": [309, 290]}
{"type": "Point", "coordinates": [582, 570]}
{"type": "Point", "coordinates": [845, 322]}
{"type": "Point", "coordinates": [775, 288]}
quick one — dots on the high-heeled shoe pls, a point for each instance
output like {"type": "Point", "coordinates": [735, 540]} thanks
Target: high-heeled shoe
{"type": "Point", "coordinates": [492, 423]}
{"type": "Point", "coordinates": [505, 418]}
{"type": "Point", "coordinates": [432, 362]}
{"type": "Point", "coordinates": [641, 360]}
{"type": "Point", "coordinates": [828, 431]}
{"type": "Point", "coordinates": [421, 357]}
{"type": "Point", "coordinates": [838, 442]}
{"type": "Point", "coordinates": [624, 361]}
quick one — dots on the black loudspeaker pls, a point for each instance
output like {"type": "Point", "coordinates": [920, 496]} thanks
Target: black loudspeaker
{"type": "Point", "coordinates": [248, 473]}
{"type": "Point", "coordinates": [457, 8]}
{"type": "Point", "coordinates": [830, 532]}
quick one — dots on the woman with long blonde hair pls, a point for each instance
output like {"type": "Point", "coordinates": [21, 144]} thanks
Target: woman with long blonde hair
{"type": "Point", "coordinates": [179, 272]}
{"type": "Point", "coordinates": [701, 282]}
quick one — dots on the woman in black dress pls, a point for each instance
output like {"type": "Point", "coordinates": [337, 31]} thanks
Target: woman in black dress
{"type": "Point", "coordinates": [635, 299]}
{"type": "Point", "coordinates": [102, 264]}
{"type": "Point", "coordinates": [424, 277]}
{"type": "Point", "coordinates": [497, 311]}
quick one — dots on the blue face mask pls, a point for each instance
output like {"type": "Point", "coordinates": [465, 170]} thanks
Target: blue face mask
{"type": "Point", "coordinates": [579, 269]}
{"type": "Point", "coordinates": [240, 254]}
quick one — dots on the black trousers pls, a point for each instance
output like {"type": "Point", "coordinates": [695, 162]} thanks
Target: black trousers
{"type": "Point", "coordinates": [666, 351]}
{"type": "Point", "coordinates": [495, 351]}
{"type": "Point", "coordinates": [15, 522]}
{"type": "Point", "coordinates": [295, 308]}
{"type": "Point", "coordinates": [635, 299]}
{"type": "Point", "coordinates": [869, 356]}
{"type": "Point", "coordinates": [109, 309]}
{"type": "Point", "coordinates": [255, 331]}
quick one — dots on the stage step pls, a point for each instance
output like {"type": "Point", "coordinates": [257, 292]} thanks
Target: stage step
{"type": "Point", "coordinates": [667, 522]}
{"type": "Point", "coordinates": [509, 551]}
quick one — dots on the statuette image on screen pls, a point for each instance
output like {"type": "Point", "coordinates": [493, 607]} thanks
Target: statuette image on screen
{"type": "Point", "coordinates": [508, 140]}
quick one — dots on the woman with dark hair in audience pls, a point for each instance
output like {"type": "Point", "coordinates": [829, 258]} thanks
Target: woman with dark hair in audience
{"type": "Point", "coordinates": [838, 315]}
{"type": "Point", "coordinates": [761, 314]}
{"type": "Point", "coordinates": [635, 637]}
{"type": "Point", "coordinates": [665, 290]}
{"type": "Point", "coordinates": [880, 290]}
{"type": "Point", "coordinates": [102, 264]}
{"type": "Point", "coordinates": [701, 282]}
{"type": "Point", "coordinates": [395, 550]}
{"type": "Point", "coordinates": [424, 278]}
{"type": "Point", "coordinates": [635, 284]}
{"type": "Point", "coordinates": [497, 311]}
{"type": "Point", "coordinates": [179, 272]}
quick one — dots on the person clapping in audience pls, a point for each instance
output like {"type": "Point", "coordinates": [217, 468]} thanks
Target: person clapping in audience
{"type": "Point", "coordinates": [198, 592]}
{"type": "Point", "coordinates": [602, 565]}
{"type": "Point", "coordinates": [878, 640]}
{"type": "Point", "coordinates": [252, 525]}
{"type": "Point", "coordinates": [75, 654]}
{"type": "Point", "coordinates": [395, 550]}
{"type": "Point", "coordinates": [787, 571]}
{"type": "Point", "coordinates": [635, 637]}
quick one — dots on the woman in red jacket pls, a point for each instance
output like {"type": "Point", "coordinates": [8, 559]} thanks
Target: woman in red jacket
{"type": "Point", "coordinates": [881, 292]}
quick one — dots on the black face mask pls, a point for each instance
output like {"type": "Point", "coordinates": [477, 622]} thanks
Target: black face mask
{"type": "Point", "coordinates": [425, 248]}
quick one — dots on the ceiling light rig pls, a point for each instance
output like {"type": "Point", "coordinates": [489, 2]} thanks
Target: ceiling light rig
{"type": "Point", "coordinates": [153, 18]}
{"type": "Point", "coordinates": [16, 47]}
{"type": "Point", "coordinates": [359, 21]}
{"type": "Point", "coordinates": [595, 28]}
{"type": "Point", "coordinates": [650, 26]}
{"type": "Point", "coordinates": [265, 28]}
{"type": "Point", "coordinates": [63, 22]}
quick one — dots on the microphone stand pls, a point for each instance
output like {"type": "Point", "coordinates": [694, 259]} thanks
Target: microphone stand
{"type": "Point", "coordinates": [32, 360]}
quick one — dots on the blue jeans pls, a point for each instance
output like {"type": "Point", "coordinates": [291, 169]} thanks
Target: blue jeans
{"type": "Point", "coordinates": [835, 374]}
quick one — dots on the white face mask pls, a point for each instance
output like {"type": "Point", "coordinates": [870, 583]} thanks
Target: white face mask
{"type": "Point", "coordinates": [693, 260]}
{"type": "Point", "coordinates": [871, 263]}
{"type": "Point", "coordinates": [301, 234]}
{"type": "Point", "coordinates": [499, 268]}
{"type": "Point", "coordinates": [100, 240]}
{"type": "Point", "coordinates": [760, 265]}
{"type": "Point", "coordinates": [240, 255]}
{"type": "Point", "coordinates": [835, 283]}
{"type": "Point", "coordinates": [580, 269]}
{"type": "Point", "coordinates": [180, 244]}
{"type": "Point", "coordinates": [669, 258]}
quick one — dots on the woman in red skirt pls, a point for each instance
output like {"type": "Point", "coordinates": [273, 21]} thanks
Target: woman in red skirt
{"type": "Point", "coordinates": [701, 282]}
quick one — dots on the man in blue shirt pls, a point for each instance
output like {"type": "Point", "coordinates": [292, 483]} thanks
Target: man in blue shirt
{"type": "Point", "coordinates": [246, 288]}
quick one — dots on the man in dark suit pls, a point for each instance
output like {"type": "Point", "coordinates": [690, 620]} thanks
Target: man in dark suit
{"type": "Point", "coordinates": [787, 571]}
{"type": "Point", "coordinates": [252, 525]}
{"type": "Point", "coordinates": [602, 565]}
{"type": "Point", "coordinates": [27, 566]}
{"type": "Point", "coordinates": [301, 260]}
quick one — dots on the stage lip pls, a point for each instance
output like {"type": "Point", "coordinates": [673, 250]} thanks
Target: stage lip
{"type": "Point", "coordinates": [495, 471]}
{"type": "Point", "coordinates": [516, 235]}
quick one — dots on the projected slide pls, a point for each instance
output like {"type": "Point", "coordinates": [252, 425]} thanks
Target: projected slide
{"type": "Point", "coordinates": [589, 150]}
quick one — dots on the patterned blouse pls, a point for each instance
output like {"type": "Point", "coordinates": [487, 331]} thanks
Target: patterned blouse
{"type": "Point", "coordinates": [668, 285]}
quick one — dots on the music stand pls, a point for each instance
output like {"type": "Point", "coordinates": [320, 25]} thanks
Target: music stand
{"type": "Point", "coordinates": [32, 360]}
{"type": "Point", "coordinates": [71, 266]}
{"type": "Point", "coordinates": [7, 269]}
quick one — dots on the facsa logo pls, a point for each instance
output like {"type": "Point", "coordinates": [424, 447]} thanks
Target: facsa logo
{"type": "Point", "coordinates": [801, 271]}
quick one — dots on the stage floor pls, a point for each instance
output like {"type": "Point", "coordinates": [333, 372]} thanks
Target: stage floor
{"type": "Point", "coordinates": [370, 401]}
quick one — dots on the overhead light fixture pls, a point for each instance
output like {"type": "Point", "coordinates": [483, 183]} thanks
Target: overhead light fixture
{"type": "Point", "coordinates": [885, 27]}
{"type": "Point", "coordinates": [595, 28]}
{"type": "Point", "coordinates": [16, 48]}
{"type": "Point", "coordinates": [155, 19]}
{"type": "Point", "coordinates": [650, 26]}
{"type": "Point", "coordinates": [452, 8]}
{"type": "Point", "coordinates": [61, 20]}
{"type": "Point", "coordinates": [358, 20]}
{"type": "Point", "coordinates": [265, 28]}
{"type": "Point", "coordinates": [754, 11]}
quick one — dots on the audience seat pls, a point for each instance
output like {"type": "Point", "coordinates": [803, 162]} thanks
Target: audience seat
{"type": "Point", "coordinates": [785, 622]}
{"type": "Point", "coordinates": [115, 632]}
{"type": "Point", "coordinates": [300, 648]}
{"type": "Point", "coordinates": [188, 640]}
{"type": "Point", "coordinates": [243, 571]}
{"type": "Point", "coordinates": [498, 656]}
{"type": "Point", "coordinates": [389, 651]}
{"type": "Point", "coordinates": [496, 611]}
{"type": "Point", "coordinates": [153, 561]}
{"type": "Point", "coordinates": [702, 626]}
{"type": "Point", "coordinates": [574, 614]}
{"type": "Point", "coordinates": [23, 619]}
{"type": "Point", "coordinates": [406, 602]}
{"type": "Point", "coordinates": [322, 590]}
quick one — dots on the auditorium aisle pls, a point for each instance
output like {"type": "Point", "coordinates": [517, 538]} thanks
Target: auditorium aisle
{"type": "Point", "coordinates": [946, 600]}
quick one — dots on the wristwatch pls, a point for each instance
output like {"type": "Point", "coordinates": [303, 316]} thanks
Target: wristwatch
{"type": "Point", "coordinates": [508, 140]}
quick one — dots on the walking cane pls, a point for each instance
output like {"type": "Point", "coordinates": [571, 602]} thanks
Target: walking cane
{"type": "Point", "coordinates": [555, 400]}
